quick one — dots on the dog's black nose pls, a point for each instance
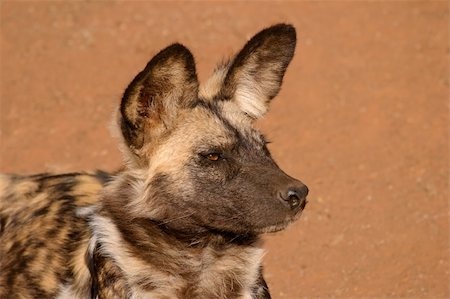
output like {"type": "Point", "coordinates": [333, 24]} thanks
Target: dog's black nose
{"type": "Point", "coordinates": [295, 197]}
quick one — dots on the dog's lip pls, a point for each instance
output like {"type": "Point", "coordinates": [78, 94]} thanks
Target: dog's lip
{"type": "Point", "coordinates": [274, 228]}
{"type": "Point", "coordinates": [283, 224]}
{"type": "Point", "coordinates": [277, 226]}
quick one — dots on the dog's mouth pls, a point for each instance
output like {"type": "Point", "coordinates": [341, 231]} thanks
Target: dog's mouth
{"type": "Point", "coordinates": [282, 224]}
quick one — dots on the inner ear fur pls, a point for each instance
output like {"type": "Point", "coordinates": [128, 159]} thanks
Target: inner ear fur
{"type": "Point", "coordinates": [168, 83]}
{"type": "Point", "coordinates": [257, 71]}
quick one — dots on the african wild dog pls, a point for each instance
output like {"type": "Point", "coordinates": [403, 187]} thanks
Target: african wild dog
{"type": "Point", "coordinates": [183, 218]}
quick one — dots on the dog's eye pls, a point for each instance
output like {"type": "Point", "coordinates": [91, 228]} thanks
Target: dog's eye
{"type": "Point", "coordinates": [213, 156]}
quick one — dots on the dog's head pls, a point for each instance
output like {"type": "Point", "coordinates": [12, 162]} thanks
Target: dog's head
{"type": "Point", "coordinates": [201, 163]}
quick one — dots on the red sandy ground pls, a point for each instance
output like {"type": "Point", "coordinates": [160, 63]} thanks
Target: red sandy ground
{"type": "Point", "coordinates": [362, 119]}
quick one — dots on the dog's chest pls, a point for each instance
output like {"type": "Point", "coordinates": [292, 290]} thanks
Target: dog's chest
{"type": "Point", "coordinates": [230, 274]}
{"type": "Point", "coordinates": [209, 273]}
{"type": "Point", "coordinates": [151, 266]}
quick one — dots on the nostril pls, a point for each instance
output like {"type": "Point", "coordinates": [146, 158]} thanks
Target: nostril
{"type": "Point", "coordinates": [296, 197]}
{"type": "Point", "coordinates": [293, 194]}
{"type": "Point", "coordinates": [293, 198]}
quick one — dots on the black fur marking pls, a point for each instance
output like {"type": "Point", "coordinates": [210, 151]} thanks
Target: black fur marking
{"type": "Point", "coordinates": [46, 177]}
{"type": "Point", "coordinates": [217, 112]}
{"type": "Point", "coordinates": [15, 269]}
{"type": "Point", "coordinates": [89, 259]}
{"type": "Point", "coordinates": [261, 290]}
{"type": "Point", "coordinates": [103, 177]}
{"type": "Point", "coordinates": [3, 220]}
{"type": "Point", "coordinates": [41, 212]}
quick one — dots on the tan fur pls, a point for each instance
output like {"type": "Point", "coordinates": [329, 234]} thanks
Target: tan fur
{"type": "Point", "coordinates": [22, 198]}
{"type": "Point", "coordinates": [213, 85]}
{"type": "Point", "coordinates": [4, 183]}
{"type": "Point", "coordinates": [175, 151]}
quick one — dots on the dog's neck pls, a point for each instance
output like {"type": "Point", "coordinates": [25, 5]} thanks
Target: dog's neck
{"type": "Point", "coordinates": [154, 259]}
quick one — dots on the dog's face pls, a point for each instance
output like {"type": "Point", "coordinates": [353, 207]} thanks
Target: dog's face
{"type": "Point", "coordinates": [202, 164]}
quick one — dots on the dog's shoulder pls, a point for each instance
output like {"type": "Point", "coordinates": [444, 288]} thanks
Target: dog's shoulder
{"type": "Point", "coordinates": [25, 199]}
{"type": "Point", "coordinates": [44, 232]}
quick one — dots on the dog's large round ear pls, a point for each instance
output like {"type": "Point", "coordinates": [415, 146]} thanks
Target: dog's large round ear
{"type": "Point", "coordinates": [257, 71]}
{"type": "Point", "coordinates": [151, 101]}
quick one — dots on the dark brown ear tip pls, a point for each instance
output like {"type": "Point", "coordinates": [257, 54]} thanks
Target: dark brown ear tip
{"type": "Point", "coordinates": [177, 50]}
{"type": "Point", "coordinates": [280, 30]}
{"type": "Point", "coordinates": [283, 28]}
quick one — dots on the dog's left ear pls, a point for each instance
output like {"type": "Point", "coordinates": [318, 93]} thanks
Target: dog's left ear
{"type": "Point", "coordinates": [153, 99]}
{"type": "Point", "coordinates": [256, 73]}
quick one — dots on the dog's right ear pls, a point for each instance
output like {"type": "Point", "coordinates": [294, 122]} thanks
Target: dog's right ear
{"type": "Point", "coordinates": [256, 73]}
{"type": "Point", "coordinates": [151, 101]}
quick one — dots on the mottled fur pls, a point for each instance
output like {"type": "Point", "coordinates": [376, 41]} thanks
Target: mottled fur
{"type": "Point", "coordinates": [183, 218]}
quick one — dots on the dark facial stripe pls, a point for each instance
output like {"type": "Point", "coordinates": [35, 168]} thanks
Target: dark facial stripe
{"type": "Point", "coordinates": [217, 112]}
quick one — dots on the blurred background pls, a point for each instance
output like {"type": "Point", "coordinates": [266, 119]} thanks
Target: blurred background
{"type": "Point", "coordinates": [362, 119]}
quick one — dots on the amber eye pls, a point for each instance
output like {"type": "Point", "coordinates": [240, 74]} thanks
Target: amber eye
{"type": "Point", "coordinates": [213, 157]}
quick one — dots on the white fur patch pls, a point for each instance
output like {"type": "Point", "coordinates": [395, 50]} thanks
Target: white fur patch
{"type": "Point", "coordinates": [66, 292]}
{"type": "Point", "coordinates": [84, 212]}
{"type": "Point", "coordinates": [251, 100]}
{"type": "Point", "coordinates": [133, 268]}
